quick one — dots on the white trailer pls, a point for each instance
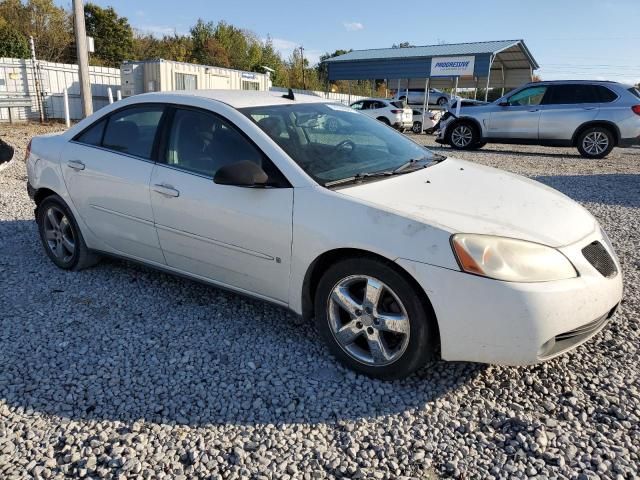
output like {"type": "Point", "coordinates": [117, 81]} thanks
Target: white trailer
{"type": "Point", "coordinates": [166, 75]}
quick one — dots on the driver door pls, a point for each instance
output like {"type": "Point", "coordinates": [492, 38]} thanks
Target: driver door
{"type": "Point", "coordinates": [519, 117]}
{"type": "Point", "coordinates": [235, 236]}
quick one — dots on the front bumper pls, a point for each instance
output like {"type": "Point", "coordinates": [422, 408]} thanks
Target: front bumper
{"type": "Point", "coordinates": [490, 321]}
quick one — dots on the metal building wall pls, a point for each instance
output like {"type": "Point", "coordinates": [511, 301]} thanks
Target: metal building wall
{"type": "Point", "coordinates": [17, 79]}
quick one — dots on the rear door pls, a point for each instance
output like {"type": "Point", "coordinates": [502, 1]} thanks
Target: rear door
{"type": "Point", "coordinates": [235, 236]}
{"type": "Point", "coordinates": [519, 117]}
{"type": "Point", "coordinates": [107, 169]}
{"type": "Point", "coordinates": [565, 108]}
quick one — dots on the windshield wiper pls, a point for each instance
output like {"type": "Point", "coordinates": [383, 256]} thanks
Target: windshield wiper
{"type": "Point", "coordinates": [415, 161]}
{"type": "Point", "coordinates": [404, 168]}
{"type": "Point", "coordinates": [359, 177]}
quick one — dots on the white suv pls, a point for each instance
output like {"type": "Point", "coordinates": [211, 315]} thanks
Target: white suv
{"type": "Point", "coordinates": [393, 113]}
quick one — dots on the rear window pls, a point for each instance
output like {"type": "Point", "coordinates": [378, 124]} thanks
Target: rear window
{"type": "Point", "coordinates": [635, 92]}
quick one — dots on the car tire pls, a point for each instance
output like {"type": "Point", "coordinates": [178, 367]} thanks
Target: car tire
{"type": "Point", "coordinates": [463, 136]}
{"type": "Point", "coordinates": [60, 236]}
{"type": "Point", "coordinates": [362, 340]}
{"type": "Point", "coordinates": [384, 120]}
{"type": "Point", "coordinates": [417, 127]}
{"type": "Point", "coordinates": [595, 142]}
{"type": "Point", "coordinates": [442, 101]}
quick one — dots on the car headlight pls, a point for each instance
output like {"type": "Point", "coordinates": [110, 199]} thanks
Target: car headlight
{"type": "Point", "coordinates": [509, 259]}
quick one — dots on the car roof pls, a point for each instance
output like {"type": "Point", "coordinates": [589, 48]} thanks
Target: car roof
{"type": "Point", "coordinates": [235, 98]}
{"type": "Point", "coordinates": [588, 82]}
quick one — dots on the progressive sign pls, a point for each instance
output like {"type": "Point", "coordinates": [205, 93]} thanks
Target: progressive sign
{"type": "Point", "coordinates": [452, 66]}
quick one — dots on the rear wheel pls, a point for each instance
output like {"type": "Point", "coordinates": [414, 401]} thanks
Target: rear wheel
{"type": "Point", "coordinates": [417, 127]}
{"type": "Point", "coordinates": [595, 142]}
{"type": "Point", "coordinates": [372, 319]}
{"type": "Point", "coordinates": [61, 237]}
{"type": "Point", "coordinates": [463, 136]}
{"type": "Point", "coordinates": [442, 101]}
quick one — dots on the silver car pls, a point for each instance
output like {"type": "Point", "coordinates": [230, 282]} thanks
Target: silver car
{"type": "Point", "coordinates": [416, 96]}
{"type": "Point", "coordinates": [593, 116]}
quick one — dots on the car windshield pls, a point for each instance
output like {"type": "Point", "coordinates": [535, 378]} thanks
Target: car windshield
{"type": "Point", "coordinates": [332, 142]}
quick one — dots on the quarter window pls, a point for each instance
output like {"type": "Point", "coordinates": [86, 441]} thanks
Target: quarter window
{"type": "Point", "coordinates": [528, 96]}
{"type": "Point", "coordinates": [93, 134]}
{"type": "Point", "coordinates": [133, 130]}
{"type": "Point", "coordinates": [605, 94]}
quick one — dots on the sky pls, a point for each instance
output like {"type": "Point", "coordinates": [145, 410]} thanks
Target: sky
{"type": "Point", "coordinates": [597, 39]}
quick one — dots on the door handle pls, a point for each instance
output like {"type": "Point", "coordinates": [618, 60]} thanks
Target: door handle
{"type": "Point", "coordinates": [167, 190]}
{"type": "Point", "coordinates": [75, 164]}
{"type": "Point", "coordinates": [589, 108]}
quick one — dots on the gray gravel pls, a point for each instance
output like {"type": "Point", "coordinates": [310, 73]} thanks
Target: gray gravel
{"type": "Point", "coordinates": [123, 372]}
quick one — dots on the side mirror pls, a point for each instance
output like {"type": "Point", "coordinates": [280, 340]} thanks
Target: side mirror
{"type": "Point", "coordinates": [504, 104]}
{"type": "Point", "coordinates": [241, 174]}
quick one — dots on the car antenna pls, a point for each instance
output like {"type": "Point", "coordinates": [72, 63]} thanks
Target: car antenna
{"type": "Point", "coordinates": [289, 95]}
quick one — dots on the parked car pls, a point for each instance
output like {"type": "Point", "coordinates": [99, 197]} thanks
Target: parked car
{"type": "Point", "coordinates": [593, 116]}
{"type": "Point", "coordinates": [389, 112]}
{"type": "Point", "coordinates": [398, 253]}
{"type": "Point", "coordinates": [464, 103]}
{"type": "Point", "coordinates": [416, 96]}
{"type": "Point", "coordinates": [429, 122]}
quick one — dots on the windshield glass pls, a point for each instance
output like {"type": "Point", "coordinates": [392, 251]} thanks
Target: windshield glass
{"type": "Point", "coordinates": [332, 142]}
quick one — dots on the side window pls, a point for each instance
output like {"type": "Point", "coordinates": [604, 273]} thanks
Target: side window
{"type": "Point", "coordinates": [572, 94]}
{"type": "Point", "coordinates": [133, 130]}
{"type": "Point", "coordinates": [357, 106]}
{"type": "Point", "coordinates": [528, 96]}
{"type": "Point", "coordinates": [605, 95]}
{"type": "Point", "coordinates": [201, 142]}
{"type": "Point", "coordinates": [93, 134]}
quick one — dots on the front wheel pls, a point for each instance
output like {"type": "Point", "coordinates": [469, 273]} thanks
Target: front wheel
{"type": "Point", "coordinates": [464, 136]}
{"type": "Point", "coordinates": [417, 127]}
{"type": "Point", "coordinates": [595, 142]}
{"type": "Point", "coordinates": [373, 320]}
{"type": "Point", "coordinates": [442, 101]}
{"type": "Point", "coordinates": [61, 237]}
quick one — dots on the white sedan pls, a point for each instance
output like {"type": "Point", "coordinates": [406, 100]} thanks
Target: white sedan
{"type": "Point", "coordinates": [399, 254]}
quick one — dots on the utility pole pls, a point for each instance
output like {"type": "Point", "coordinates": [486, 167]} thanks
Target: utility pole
{"type": "Point", "coordinates": [83, 57]}
{"type": "Point", "coordinates": [304, 84]}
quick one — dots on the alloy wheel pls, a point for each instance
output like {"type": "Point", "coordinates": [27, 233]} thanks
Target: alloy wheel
{"type": "Point", "coordinates": [417, 127]}
{"type": "Point", "coordinates": [461, 136]}
{"type": "Point", "coordinates": [595, 143]}
{"type": "Point", "coordinates": [59, 234]}
{"type": "Point", "coordinates": [368, 320]}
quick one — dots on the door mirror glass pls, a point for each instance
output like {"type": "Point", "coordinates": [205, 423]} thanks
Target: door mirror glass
{"type": "Point", "coordinates": [241, 174]}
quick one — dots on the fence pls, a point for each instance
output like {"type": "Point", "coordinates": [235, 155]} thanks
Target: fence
{"type": "Point", "coordinates": [344, 98]}
{"type": "Point", "coordinates": [17, 79]}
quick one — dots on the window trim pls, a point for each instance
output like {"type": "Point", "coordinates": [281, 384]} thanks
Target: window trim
{"type": "Point", "coordinates": [106, 118]}
{"type": "Point", "coordinates": [162, 138]}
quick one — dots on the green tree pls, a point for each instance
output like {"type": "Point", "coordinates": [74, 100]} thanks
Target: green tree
{"type": "Point", "coordinates": [12, 43]}
{"type": "Point", "coordinates": [271, 58]}
{"type": "Point", "coordinates": [49, 25]}
{"type": "Point", "coordinates": [112, 34]}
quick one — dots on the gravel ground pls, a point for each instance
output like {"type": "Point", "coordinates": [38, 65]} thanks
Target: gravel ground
{"type": "Point", "coordinates": [123, 372]}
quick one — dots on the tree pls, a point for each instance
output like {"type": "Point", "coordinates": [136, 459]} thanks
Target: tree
{"type": "Point", "coordinates": [12, 43]}
{"type": "Point", "coordinates": [402, 45]}
{"type": "Point", "coordinates": [50, 26]}
{"type": "Point", "coordinates": [112, 34]}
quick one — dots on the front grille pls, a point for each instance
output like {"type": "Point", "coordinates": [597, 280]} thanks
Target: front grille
{"type": "Point", "coordinates": [598, 256]}
{"type": "Point", "coordinates": [583, 330]}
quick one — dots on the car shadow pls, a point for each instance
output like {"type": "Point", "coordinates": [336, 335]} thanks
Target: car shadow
{"type": "Point", "coordinates": [124, 342]}
{"type": "Point", "coordinates": [611, 189]}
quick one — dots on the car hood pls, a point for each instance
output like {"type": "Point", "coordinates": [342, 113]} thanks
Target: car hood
{"type": "Point", "coordinates": [464, 197]}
